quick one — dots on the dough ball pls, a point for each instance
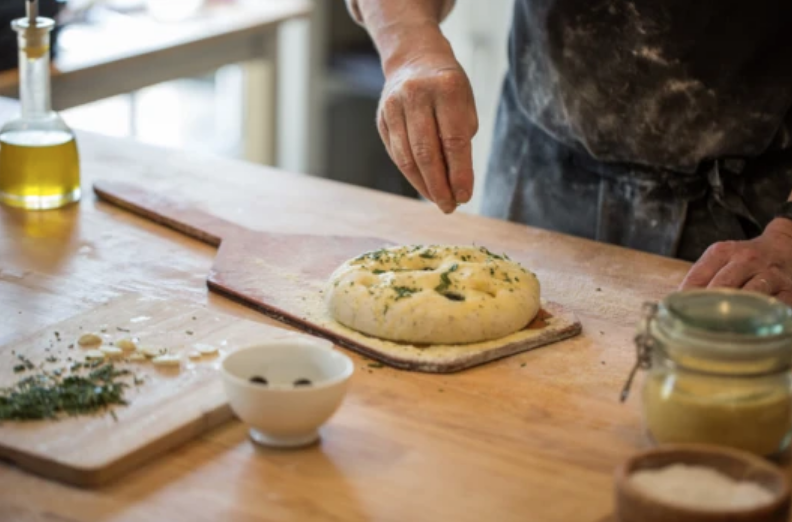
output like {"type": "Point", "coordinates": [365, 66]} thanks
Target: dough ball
{"type": "Point", "coordinates": [433, 295]}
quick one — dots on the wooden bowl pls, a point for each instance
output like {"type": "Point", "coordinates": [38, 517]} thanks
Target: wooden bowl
{"type": "Point", "coordinates": [632, 505]}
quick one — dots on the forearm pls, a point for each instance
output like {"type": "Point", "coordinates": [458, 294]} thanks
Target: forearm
{"type": "Point", "coordinates": [402, 29]}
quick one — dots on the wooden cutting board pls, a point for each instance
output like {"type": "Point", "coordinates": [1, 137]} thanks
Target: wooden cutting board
{"type": "Point", "coordinates": [283, 276]}
{"type": "Point", "coordinates": [169, 406]}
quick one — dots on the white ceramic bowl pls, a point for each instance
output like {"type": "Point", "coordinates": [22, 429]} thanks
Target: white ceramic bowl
{"type": "Point", "coordinates": [281, 414]}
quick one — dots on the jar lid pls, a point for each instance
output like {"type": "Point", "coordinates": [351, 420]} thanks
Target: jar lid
{"type": "Point", "coordinates": [724, 325]}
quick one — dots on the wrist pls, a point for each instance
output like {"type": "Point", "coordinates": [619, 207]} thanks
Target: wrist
{"type": "Point", "coordinates": [401, 44]}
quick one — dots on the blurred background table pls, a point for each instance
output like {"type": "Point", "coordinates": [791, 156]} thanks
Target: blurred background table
{"type": "Point", "coordinates": [108, 51]}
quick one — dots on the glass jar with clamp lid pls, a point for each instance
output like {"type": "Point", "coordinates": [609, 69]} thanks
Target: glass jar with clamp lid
{"type": "Point", "coordinates": [718, 370]}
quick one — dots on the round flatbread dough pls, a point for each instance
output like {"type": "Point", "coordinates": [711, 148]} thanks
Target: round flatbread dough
{"type": "Point", "coordinates": [433, 295]}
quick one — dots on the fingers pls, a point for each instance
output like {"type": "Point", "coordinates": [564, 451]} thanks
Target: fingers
{"type": "Point", "coordinates": [427, 119]}
{"type": "Point", "coordinates": [760, 283]}
{"type": "Point", "coordinates": [704, 270]}
{"type": "Point", "coordinates": [423, 136]}
{"type": "Point", "coordinates": [754, 265]}
{"type": "Point", "coordinates": [458, 124]}
{"type": "Point", "coordinates": [393, 131]}
{"type": "Point", "coordinates": [785, 296]}
{"type": "Point", "coordinates": [733, 275]}
{"type": "Point", "coordinates": [458, 155]}
{"type": "Point", "coordinates": [744, 264]}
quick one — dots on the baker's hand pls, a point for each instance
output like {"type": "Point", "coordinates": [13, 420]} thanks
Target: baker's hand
{"type": "Point", "coordinates": [427, 119]}
{"type": "Point", "coordinates": [763, 264]}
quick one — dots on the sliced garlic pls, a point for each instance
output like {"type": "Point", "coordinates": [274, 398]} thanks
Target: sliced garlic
{"type": "Point", "coordinates": [194, 354]}
{"type": "Point", "coordinates": [137, 357]}
{"type": "Point", "coordinates": [167, 360]}
{"type": "Point", "coordinates": [111, 351]}
{"type": "Point", "coordinates": [94, 355]}
{"type": "Point", "coordinates": [127, 344]}
{"type": "Point", "coordinates": [89, 339]}
{"type": "Point", "coordinates": [152, 351]}
{"type": "Point", "coordinates": [205, 349]}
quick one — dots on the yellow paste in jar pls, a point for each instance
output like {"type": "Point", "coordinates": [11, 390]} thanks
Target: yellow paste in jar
{"type": "Point", "coordinates": [749, 414]}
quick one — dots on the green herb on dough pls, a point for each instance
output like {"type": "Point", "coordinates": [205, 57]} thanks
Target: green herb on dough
{"type": "Point", "coordinates": [445, 281]}
{"type": "Point", "coordinates": [429, 254]}
{"type": "Point", "coordinates": [403, 292]}
{"type": "Point", "coordinates": [378, 271]}
{"type": "Point", "coordinates": [27, 362]}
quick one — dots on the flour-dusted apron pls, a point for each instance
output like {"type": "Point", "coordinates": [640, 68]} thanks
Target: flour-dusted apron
{"type": "Point", "coordinates": [660, 125]}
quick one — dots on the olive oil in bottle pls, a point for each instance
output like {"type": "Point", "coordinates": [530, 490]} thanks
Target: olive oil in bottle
{"type": "Point", "coordinates": [39, 162]}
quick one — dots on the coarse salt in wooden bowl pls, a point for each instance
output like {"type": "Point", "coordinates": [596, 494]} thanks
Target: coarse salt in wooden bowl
{"type": "Point", "coordinates": [637, 501]}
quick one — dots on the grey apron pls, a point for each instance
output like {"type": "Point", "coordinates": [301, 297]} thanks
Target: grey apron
{"type": "Point", "coordinates": [644, 165]}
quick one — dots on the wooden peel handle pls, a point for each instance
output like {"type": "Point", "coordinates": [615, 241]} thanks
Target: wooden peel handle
{"type": "Point", "coordinates": [182, 217]}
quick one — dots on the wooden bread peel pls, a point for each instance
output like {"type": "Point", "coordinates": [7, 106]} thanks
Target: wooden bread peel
{"type": "Point", "coordinates": [282, 275]}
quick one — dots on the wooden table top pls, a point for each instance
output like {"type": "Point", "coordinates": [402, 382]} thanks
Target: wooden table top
{"type": "Point", "coordinates": [121, 47]}
{"type": "Point", "coordinates": [533, 437]}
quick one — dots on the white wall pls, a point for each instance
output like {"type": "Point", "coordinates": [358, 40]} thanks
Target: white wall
{"type": "Point", "coordinates": [478, 31]}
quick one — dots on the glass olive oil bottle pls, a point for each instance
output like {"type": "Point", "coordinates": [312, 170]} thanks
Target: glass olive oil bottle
{"type": "Point", "coordinates": [39, 162]}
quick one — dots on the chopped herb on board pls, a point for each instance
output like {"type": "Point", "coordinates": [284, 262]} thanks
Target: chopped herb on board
{"type": "Point", "coordinates": [376, 365]}
{"type": "Point", "coordinates": [48, 395]}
